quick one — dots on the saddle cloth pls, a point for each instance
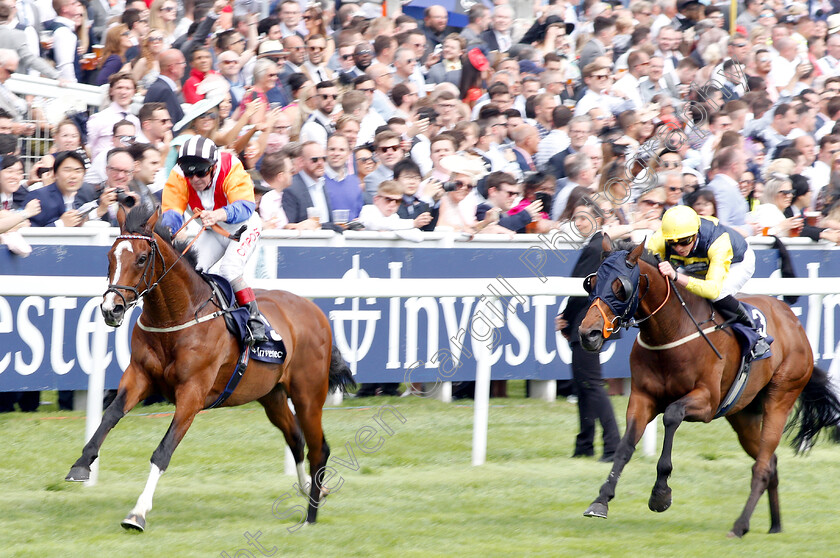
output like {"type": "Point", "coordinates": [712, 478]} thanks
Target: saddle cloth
{"type": "Point", "coordinates": [746, 339]}
{"type": "Point", "coordinates": [236, 318]}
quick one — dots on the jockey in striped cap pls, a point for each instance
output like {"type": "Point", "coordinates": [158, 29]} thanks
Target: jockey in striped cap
{"type": "Point", "coordinates": [215, 184]}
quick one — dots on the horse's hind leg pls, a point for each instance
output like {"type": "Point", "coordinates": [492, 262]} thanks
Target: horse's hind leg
{"type": "Point", "coordinates": [134, 386]}
{"type": "Point", "coordinates": [309, 415]}
{"type": "Point", "coordinates": [640, 411]}
{"type": "Point", "coordinates": [748, 427]}
{"type": "Point", "coordinates": [189, 400]}
{"type": "Point", "coordinates": [278, 412]}
{"type": "Point", "coordinates": [764, 474]}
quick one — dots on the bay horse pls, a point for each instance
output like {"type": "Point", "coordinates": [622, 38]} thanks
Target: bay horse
{"type": "Point", "coordinates": [674, 371]}
{"type": "Point", "coordinates": [190, 356]}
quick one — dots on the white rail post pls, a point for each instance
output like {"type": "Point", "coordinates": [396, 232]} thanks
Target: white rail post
{"type": "Point", "coordinates": [483, 356]}
{"type": "Point", "coordinates": [815, 309]}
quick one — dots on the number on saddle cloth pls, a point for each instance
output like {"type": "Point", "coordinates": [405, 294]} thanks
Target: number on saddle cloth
{"type": "Point", "coordinates": [236, 319]}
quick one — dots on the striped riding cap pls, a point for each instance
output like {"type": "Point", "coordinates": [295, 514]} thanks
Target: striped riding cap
{"type": "Point", "coordinates": [199, 147]}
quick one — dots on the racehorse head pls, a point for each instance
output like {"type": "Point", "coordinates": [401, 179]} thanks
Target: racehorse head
{"type": "Point", "coordinates": [613, 294]}
{"type": "Point", "coordinates": [131, 263]}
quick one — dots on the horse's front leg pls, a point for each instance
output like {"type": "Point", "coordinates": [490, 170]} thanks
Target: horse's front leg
{"type": "Point", "coordinates": [694, 405]}
{"type": "Point", "coordinates": [134, 386]}
{"type": "Point", "coordinates": [189, 400]}
{"type": "Point", "coordinates": [640, 411]}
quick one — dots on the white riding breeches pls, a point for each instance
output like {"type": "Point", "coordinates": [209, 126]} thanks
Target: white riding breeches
{"type": "Point", "coordinates": [212, 247]}
{"type": "Point", "coordinates": [739, 274]}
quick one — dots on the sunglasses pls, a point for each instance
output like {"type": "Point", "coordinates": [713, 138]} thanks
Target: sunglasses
{"type": "Point", "coordinates": [208, 115]}
{"type": "Point", "coordinates": [168, 9]}
{"type": "Point", "coordinates": [366, 160]}
{"type": "Point", "coordinates": [316, 48]}
{"type": "Point", "coordinates": [687, 241]}
{"type": "Point", "coordinates": [193, 171]}
{"type": "Point", "coordinates": [127, 140]}
{"type": "Point", "coordinates": [786, 192]}
{"type": "Point", "coordinates": [391, 200]}
{"type": "Point", "coordinates": [155, 39]}
{"type": "Point", "coordinates": [654, 203]}
{"type": "Point", "coordinates": [460, 185]}
{"type": "Point", "coordinates": [326, 96]}
{"type": "Point", "coordinates": [387, 148]}
{"type": "Point", "coordinates": [346, 56]}
{"type": "Point", "coordinates": [317, 159]}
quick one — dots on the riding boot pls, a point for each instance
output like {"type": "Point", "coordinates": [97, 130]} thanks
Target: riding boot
{"type": "Point", "coordinates": [256, 328]}
{"type": "Point", "coordinates": [733, 310]}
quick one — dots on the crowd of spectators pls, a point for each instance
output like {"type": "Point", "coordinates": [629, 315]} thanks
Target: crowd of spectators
{"type": "Point", "coordinates": [346, 118]}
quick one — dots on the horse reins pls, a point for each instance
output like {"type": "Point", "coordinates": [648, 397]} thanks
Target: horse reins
{"type": "Point", "coordinates": [112, 288]}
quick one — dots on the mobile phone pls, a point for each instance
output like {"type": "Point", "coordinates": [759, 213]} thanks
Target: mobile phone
{"type": "Point", "coordinates": [438, 48]}
{"type": "Point", "coordinates": [546, 201]}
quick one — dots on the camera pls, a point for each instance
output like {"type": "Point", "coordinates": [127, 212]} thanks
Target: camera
{"type": "Point", "coordinates": [125, 199]}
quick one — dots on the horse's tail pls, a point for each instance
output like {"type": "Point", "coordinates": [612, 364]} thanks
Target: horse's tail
{"type": "Point", "coordinates": [340, 375]}
{"type": "Point", "coordinates": [819, 407]}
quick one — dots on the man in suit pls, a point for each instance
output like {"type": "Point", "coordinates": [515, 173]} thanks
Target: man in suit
{"type": "Point", "coordinates": [163, 90]}
{"type": "Point", "coordinates": [315, 68]}
{"type": "Point", "coordinates": [60, 201]}
{"type": "Point", "coordinates": [435, 26]}
{"type": "Point", "coordinates": [498, 36]}
{"type": "Point", "coordinates": [295, 57]}
{"type": "Point", "coordinates": [593, 402]}
{"type": "Point", "coordinates": [14, 38]}
{"type": "Point", "coordinates": [448, 69]}
{"type": "Point", "coordinates": [601, 43]}
{"type": "Point", "coordinates": [308, 188]}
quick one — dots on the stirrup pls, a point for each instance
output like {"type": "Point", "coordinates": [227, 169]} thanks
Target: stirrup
{"type": "Point", "coordinates": [760, 349]}
{"type": "Point", "coordinates": [255, 332]}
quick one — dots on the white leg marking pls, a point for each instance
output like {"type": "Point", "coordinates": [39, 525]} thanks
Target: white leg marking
{"type": "Point", "coordinates": [108, 303]}
{"type": "Point", "coordinates": [144, 502]}
{"type": "Point", "coordinates": [303, 478]}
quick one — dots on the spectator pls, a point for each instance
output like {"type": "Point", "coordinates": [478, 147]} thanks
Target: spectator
{"type": "Point", "coordinates": [770, 214]}
{"type": "Point", "coordinates": [61, 201]}
{"type": "Point", "coordinates": [163, 16]}
{"type": "Point", "coordinates": [365, 162]}
{"type": "Point", "coordinates": [124, 135]}
{"type": "Point", "coordinates": [315, 67]}
{"type": "Point", "coordinates": [319, 126]}
{"type": "Point", "coordinates": [457, 207]}
{"type": "Point", "coordinates": [593, 403]}
{"type": "Point", "coordinates": [307, 189]}
{"type": "Point", "coordinates": [382, 215]}
{"type": "Point", "coordinates": [117, 42]}
{"type": "Point", "coordinates": [407, 173]}
{"type": "Point", "coordinates": [146, 67]}
{"type": "Point", "coordinates": [388, 148]}
{"type": "Point", "coordinates": [703, 203]}
{"type": "Point", "coordinates": [148, 168]}
{"type": "Point", "coordinates": [201, 67]}
{"type": "Point", "coordinates": [164, 88]}
{"type": "Point", "coordinates": [100, 126]}
{"type": "Point", "coordinates": [65, 40]}
{"type": "Point", "coordinates": [728, 165]}
{"type": "Point", "coordinates": [343, 188]}
{"type": "Point", "coordinates": [449, 68]}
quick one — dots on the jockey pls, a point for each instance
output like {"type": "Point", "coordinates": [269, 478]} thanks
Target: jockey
{"type": "Point", "coordinates": [215, 185]}
{"type": "Point", "coordinates": [714, 261]}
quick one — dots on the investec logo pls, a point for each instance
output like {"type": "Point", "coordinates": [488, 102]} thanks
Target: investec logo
{"type": "Point", "coordinates": [267, 353]}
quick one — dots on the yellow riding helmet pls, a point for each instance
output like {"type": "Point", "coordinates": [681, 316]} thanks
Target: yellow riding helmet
{"type": "Point", "coordinates": [680, 222]}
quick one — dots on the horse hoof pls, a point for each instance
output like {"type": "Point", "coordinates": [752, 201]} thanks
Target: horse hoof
{"type": "Point", "coordinates": [737, 533]}
{"type": "Point", "coordinates": [660, 502]}
{"type": "Point", "coordinates": [134, 522]}
{"type": "Point", "coordinates": [596, 509]}
{"type": "Point", "coordinates": [78, 474]}
{"type": "Point", "coordinates": [775, 529]}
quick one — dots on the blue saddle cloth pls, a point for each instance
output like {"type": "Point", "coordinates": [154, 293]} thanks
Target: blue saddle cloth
{"type": "Point", "coordinates": [236, 318]}
{"type": "Point", "coordinates": [747, 337]}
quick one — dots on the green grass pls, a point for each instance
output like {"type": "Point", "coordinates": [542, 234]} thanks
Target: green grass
{"type": "Point", "coordinates": [417, 495]}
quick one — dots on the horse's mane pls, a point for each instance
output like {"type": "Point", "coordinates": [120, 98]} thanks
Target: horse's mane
{"type": "Point", "coordinates": [647, 255]}
{"type": "Point", "coordinates": [135, 222]}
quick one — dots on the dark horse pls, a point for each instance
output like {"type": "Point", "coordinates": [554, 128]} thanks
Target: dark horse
{"type": "Point", "coordinates": [192, 361]}
{"type": "Point", "coordinates": [675, 372]}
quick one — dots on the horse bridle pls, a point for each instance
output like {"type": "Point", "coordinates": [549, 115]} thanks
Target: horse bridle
{"type": "Point", "coordinates": [626, 319]}
{"type": "Point", "coordinates": [145, 278]}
